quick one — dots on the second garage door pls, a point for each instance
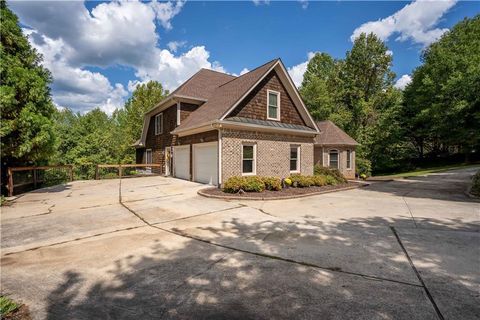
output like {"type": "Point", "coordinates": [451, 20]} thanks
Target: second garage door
{"type": "Point", "coordinates": [181, 162]}
{"type": "Point", "coordinates": [205, 165]}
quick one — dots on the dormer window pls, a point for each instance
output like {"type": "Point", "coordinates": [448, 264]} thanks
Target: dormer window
{"type": "Point", "coordinates": [159, 124]}
{"type": "Point", "coordinates": [273, 105]}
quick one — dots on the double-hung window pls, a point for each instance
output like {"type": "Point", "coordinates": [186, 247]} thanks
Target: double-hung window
{"type": "Point", "coordinates": [349, 159]}
{"type": "Point", "coordinates": [333, 159]}
{"type": "Point", "coordinates": [248, 159]}
{"type": "Point", "coordinates": [294, 158]}
{"type": "Point", "coordinates": [159, 124]}
{"type": "Point", "coordinates": [273, 105]}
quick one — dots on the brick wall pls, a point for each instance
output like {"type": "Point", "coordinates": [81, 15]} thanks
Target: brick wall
{"type": "Point", "coordinates": [322, 158]}
{"type": "Point", "coordinates": [273, 153]}
{"type": "Point", "coordinates": [255, 104]}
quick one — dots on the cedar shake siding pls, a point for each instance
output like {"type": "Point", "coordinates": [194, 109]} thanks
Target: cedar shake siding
{"type": "Point", "coordinates": [255, 104]}
{"type": "Point", "coordinates": [158, 142]}
{"type": "Point", "coordinates": [208, 136]}
{"type": "Point", "coordinates": [186, 109]}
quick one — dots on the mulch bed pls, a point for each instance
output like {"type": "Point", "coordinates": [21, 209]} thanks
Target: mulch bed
{"type": "Point", "coordinates": [287, 193]}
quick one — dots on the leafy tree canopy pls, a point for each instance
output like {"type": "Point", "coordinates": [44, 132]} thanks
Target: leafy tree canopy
{"type": "Point", "coordinates": [26, 129]}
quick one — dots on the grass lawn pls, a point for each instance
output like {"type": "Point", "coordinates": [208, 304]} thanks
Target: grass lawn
{"type": "Point", "coordinates": [424, 171]}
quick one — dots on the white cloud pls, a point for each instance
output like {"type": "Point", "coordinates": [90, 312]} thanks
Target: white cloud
{"type": "Point", "coordinates": [304, 3]}
{"type": "Point", "coordinates": [297, 71]}
{"type": "Point", "coordinates": [165, 11]}
{"type": "Point", "coordinates": [73, 87]}
{"type": "Point", "coordinates": [260, 2]}
{"type": "Point", "coordinates": [175, 45]}
{"type": "Point", "coordinates": [173, 70]}
{"type": "Point", "coordinates": [117, 33]}
{"type": "Point", "coordinates": [243, 71]}
{"type": "Point", "coordinates": [416, 22]}
{"type": "Point", "coordinates": [403, 81]}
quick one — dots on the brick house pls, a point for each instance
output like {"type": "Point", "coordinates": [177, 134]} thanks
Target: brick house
{"type": "Point", "coordinates": [215, 126]}
{"type": "Point", "coordinates": [335, 149]}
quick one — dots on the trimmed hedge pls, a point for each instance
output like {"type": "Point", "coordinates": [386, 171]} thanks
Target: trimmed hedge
{"type": "Point", "coordinates": [272, 183]}
{"type": "Point", "coordinates": [259, 184]}
{"type": "Point", "coordinates": [247, 184]}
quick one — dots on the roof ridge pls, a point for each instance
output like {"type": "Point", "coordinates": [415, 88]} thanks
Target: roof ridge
{"type": "Point", "coordinates": [224, 73]}
{"type": "Point", "coordinates": [249, 72]}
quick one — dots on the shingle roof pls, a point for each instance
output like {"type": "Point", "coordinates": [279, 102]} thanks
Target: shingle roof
{"type": "Point", "coordinates": [330, 134]}
{"type": "Point", "coordinates": [202, 84]}
{"type": "Point", "coordinates": [224, 97]}
{"type": "Point", "coordinates": [270, 123]}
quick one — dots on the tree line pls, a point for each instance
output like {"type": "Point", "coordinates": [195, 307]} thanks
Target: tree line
{"type": "Point", "coordinates": [435, 117]}
{"type": "Point", "coordinates": [438, 113]}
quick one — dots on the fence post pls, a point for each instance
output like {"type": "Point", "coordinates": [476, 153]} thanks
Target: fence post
{"type": "Point", "coordinates": [120, 171]}
{"type": "Point", "coordinates": [96, 172]}
{"type": "Point", "coordinates": [71, 172]}
{"type": "Point", "coordinates": [10, 182]}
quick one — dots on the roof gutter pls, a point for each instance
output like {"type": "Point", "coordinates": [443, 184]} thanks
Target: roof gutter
{"type": "Point", "coordinates": [225, 124]}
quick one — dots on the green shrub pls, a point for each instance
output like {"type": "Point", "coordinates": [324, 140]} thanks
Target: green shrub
{"type": "Point", "coordinates": [335, 173]}
{"type": "Point", "coordinates": [476, 184]}
{"type": "Point", "coordinates": [7, 306]}
{"type": "Point", "coordinates": [247, 184]}
{"type": "Point", "coordinates": [288, 181]}
{"type": "Point", "coordinates": [363, 166]}
{"type": "Point", "coordinates": [300, 181]}
{"type": "Point", "coordinates": [330, 180]}
{"type": "Point", "coordinates": [272, 183]}
{"type": "Point", "coordinates": [319, 180]}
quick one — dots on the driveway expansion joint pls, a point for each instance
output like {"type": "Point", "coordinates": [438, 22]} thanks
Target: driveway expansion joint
{"type": "Point", "coordinates": [429, 295]}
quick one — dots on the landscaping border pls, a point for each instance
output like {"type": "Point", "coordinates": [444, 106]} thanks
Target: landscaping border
{"type": "Point", "coordinates": [202, 193]}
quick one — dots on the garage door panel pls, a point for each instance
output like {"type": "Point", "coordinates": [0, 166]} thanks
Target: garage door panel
{"type": "Point", "coordinates": [205, 165]}
{"type": "Point", "coordinates": [181, 160]}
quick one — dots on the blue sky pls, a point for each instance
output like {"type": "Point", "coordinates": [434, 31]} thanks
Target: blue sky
{"type": "Point", "coordinates": [98, 51]}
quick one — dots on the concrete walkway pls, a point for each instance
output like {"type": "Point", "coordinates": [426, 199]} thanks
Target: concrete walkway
{"type": "Point", "coordinates": [407, 249]}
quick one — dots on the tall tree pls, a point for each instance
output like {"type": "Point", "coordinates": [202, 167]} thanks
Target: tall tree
{"type": "Point", "coordinates": [26, 128]}
{"type": "Point", "coordinates": [442, 103]}
{"type": "Point", "coordinates": [366, 79]}
{"type": "Point", "coordinates": [130, 118]}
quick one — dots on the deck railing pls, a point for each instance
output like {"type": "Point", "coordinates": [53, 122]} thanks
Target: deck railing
{"type": "Point", "coordinates": [27, 177]}
{"type": "Point", "coordinates": [126, 170]}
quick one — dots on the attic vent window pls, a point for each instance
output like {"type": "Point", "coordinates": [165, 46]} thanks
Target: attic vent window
{"type": "Point", "coordinates": [273, 105]}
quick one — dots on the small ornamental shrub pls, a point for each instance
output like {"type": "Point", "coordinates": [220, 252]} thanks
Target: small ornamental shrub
{"type": "Point", "coordinates": [335, 173]}
{"type": "Point", "coordinates": [299, 181]}
{"type": "Point", "coordinates": [363, 166]}
{"type": "Point", "coordinates": [288, 181]}
{"type": "Point", "coordinates": [233, 184]}
{"type": "Point", "coordinates": [330, 180]}
{"type": "Point", "coordinates": [272, 183]}
{"type": "Point", "coordinates": [319, 180]}
{"type": "Point", "coordinates": [247, 184]}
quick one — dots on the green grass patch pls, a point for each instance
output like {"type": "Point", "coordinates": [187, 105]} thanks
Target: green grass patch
{"type": "Point", "coordinates": [7, 306]}
{"type": "Point", "coordinates": [424, 171]}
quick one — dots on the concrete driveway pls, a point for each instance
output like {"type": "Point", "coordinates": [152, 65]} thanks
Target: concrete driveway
{"type": "Point", "coordinates": [407, 249]}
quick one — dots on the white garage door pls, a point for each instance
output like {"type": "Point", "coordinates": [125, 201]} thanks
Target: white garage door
{"type": "Point", "coordinates": [181, 162]}
{"type": "Point", "coordinates": [205, 166]}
